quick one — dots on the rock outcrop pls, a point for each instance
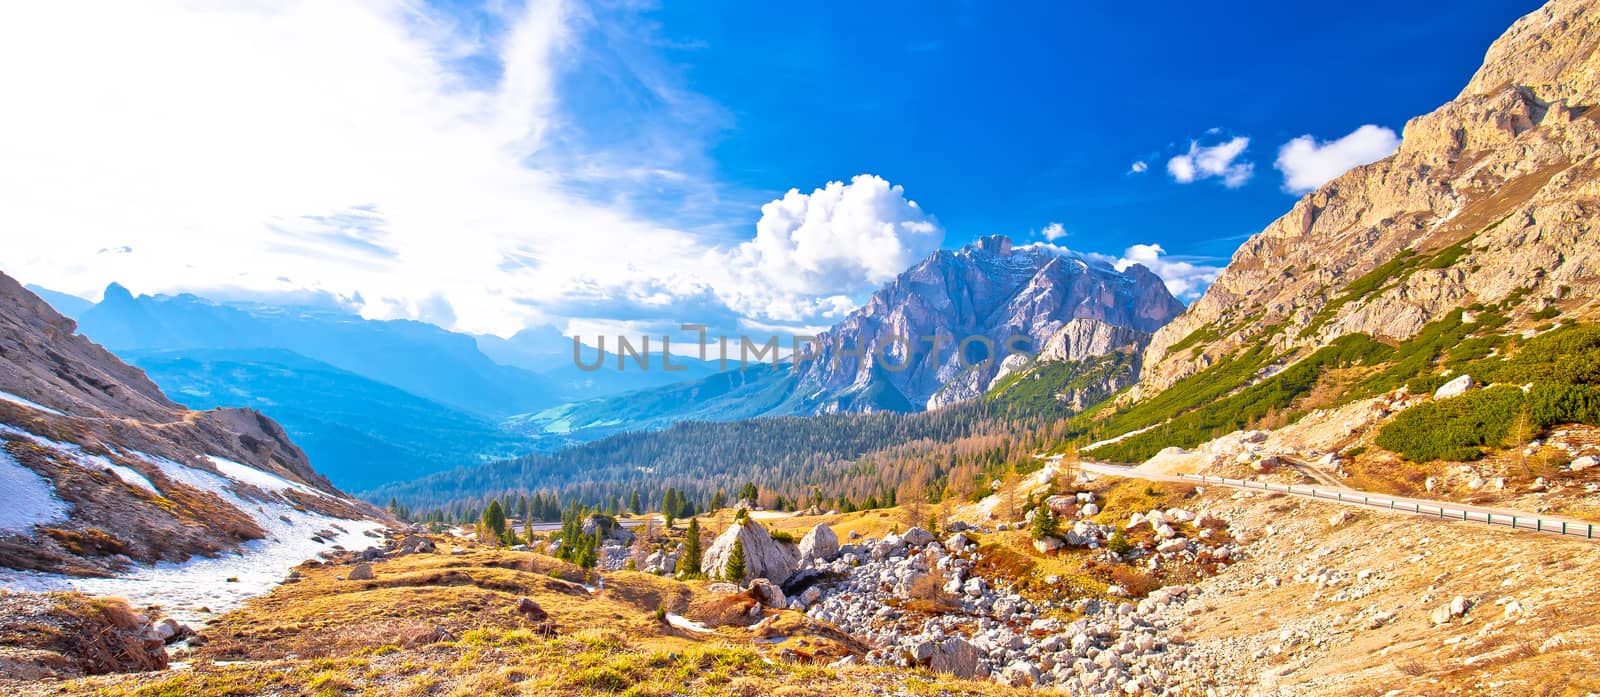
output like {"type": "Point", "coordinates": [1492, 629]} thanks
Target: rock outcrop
{"type": "Point", "coordinates": [764, 557]}
{"type": "Point", "coordinates": [1493, 197]}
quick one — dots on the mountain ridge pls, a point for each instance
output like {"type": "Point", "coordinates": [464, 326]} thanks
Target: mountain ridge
{"type": "Point", "coordinates": [1491, 197]}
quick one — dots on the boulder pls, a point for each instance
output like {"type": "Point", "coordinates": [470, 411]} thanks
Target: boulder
{"type": "Point", "coordinates": [955, 656]}
{"type": "Point", "coordinates": [361, 572]}
{"type": "Point", "coordinates": [767, 593]}
{"type": "Point", "coordinates": [416, 544]}
{"type": "Point", "coordinates": [531, 610]}
{"type": "Point", "coordinates": [764, 557]}
{"type": "Point", "coordinates": [1170, 546]}
{"type": "Point", "coordinates": [1583, 463]}
{"type": "Point", "coordinates": [1061, 505]}
{"type": "Point", "coordinates": [1454, 388]}
{"type": "Point", "coordinates": [820, 544]}
{"type": "Point", "coordinates": [1019, 674]}
{"type": "Point", "coordinates": [1047, 545]}
{"type": "Point", "coordinates": [917, 537]}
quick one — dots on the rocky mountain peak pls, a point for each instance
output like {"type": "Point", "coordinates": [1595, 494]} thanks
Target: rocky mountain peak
{"type": "Point", "coordinates": [983, 302]}
{"type": "Point", "coordinates": [1491, 198]}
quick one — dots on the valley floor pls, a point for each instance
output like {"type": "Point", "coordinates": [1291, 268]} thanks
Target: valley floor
{"type": "Point", "coordinates": [1319, 600]}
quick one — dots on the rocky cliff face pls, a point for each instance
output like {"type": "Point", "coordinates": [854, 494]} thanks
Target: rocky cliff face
{"type": "Point", "coordinates": [1493, 197]}
{"type": "Point", "coordinates": [982, 301]}
{"type": "Point", "coordinates": [101, 470]}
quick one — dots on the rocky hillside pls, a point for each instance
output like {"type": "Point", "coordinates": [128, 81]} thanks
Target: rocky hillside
{"type": "Point", "coordinates": [1492, 199]}
{"type": "Point", "coordinates": [104, 474]}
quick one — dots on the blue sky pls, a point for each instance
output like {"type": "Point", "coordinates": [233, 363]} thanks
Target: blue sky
{"type": "Point", "coordinates": [622, 166]}
{"type": "Point", "coordinates": [1002, 117]}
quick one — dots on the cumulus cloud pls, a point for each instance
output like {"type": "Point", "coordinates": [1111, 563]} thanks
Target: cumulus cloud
{"type": "Point", "coordinates": [1308, 163]}
{"type": "Point", "coordinates": [813, 253]}
{"type": "Point", "coordinates": [1220, 160]}
{"type": "Point", "coordinates": [1185, 279]}
{"type": "Point", "coordinates": [1139, 167]}
{"type": "Point", "coordinates": [1053, 232]}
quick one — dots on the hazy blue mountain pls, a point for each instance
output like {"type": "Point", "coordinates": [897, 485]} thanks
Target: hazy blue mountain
{"type": "Point", "coordinates": [65, 303]}
{"type": "Point", "coordinates": [416, 357]}
{"type": "Point", "coordinates": [760, 390]}
{"type": "Point", "coordinates": [546, 351]}
{"type": "Point", "coordinates": [358, 432]}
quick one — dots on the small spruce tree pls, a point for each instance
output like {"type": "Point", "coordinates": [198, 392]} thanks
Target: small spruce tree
{"type": "Point", "coordinates": [1044, 522]}
{"type": "Point", "coordinates": [493, 523]}
{"type": "Point", "coordinates": [689, 563]}
{"type": "Point", "coordinates": [735, 570]}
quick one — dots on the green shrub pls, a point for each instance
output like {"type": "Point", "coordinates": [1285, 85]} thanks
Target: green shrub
{"type": "Point", "coordinates": [1459, 428]}
{"type": "Point", "coordinates": [1118, 544]}
{"type": "Point", "coordinates": [1208, 419]}
{"type": "Point", "coordinates": [1454, 429]}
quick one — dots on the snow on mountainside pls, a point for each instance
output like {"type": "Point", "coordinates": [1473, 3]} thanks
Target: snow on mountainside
{"type": "Point", "coordinates": [111, 488]}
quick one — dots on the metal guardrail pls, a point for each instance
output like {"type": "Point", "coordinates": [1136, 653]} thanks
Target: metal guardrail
{"type": "Point", "coordinates": [1556, 527]}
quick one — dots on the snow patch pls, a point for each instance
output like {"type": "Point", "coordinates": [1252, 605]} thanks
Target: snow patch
{"type": "Point", "coordinates": [29, 498]}
{"type": "Point", "coordinates": [257, 478]}
{"type": "Point", "coordinates": [72, 452]}
{"type": "Point", "coordinates": [1118, 439]}
{"type": "Point", "coordinates": [687, 624]}
{"type": "Point", "coordinates": [8, 397]}
{"type": "Point", "coordinates": [204, 582]}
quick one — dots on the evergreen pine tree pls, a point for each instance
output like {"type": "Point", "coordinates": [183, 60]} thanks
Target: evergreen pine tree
{"type": "Point", "coordinates": [493, 523]}
{"type": "Point", "coordinates": [1044, 522]}
{"type": "Point", "coordinates": [735, 569]}
{"type": "Point", "coordinates": [689, 563]}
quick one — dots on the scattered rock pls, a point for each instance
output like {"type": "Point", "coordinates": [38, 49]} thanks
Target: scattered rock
{"type": "Point", "coordinates": [1455, 387]}
{"type": "Point", "coordinates": [361, 572]}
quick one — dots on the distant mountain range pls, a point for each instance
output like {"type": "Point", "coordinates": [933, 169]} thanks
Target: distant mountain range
{"type": "Point", "coordinates": [983, 300]}
{"type": "Point", "coordinates": [360, 432]}
{"type": "Point", "coordinates": [370, 401]}
{"type": "Point", "coordinates": [374, 402]}
{"type": "Point", "coordinates": [416, 357]}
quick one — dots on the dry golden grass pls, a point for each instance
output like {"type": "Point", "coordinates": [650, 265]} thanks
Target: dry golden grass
{"type": "Point", "coordinates": [325, 636]}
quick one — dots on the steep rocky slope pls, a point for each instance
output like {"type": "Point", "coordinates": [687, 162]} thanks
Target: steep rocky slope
{"type": "Point", "coordinates": [1493, 198]}
{"type": "Point", "coordinates": [104, 474]}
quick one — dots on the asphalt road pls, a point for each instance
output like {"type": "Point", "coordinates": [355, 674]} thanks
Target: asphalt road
{"type": "Point", "coordinates": [1448, 510]}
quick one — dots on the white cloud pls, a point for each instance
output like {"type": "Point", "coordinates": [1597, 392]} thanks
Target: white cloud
{"type": "Point", "coordinates": [1053, 232]}
{"type": "Point", "coordinates": [1220, 160]}
{"type": "Point", "coordinates": [1308, 163]}
{"type": "Point", "coordinates": [814, 252]}
{"type": "Point", "coordinates": [1139, 167]}
{"type": "Point", "coordinates": [1185, 280]}
{"type": "Point", "coordinates": [338, 147]}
